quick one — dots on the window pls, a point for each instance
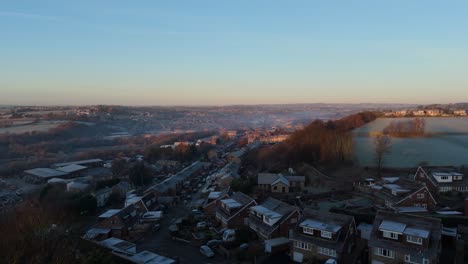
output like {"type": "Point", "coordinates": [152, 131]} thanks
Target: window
{"type": "Point", "coordinates": [302, 245]}
{"type": "Point", "coordinates": [385, 253]}
{"type": "Point", "coordinates": [275, 188]}
{"type": "Point", "coordinates": [308, 230]}
{"type": "Point", "coordinates": [444, 177]}
{"type": "Point", "coordinates": [414, 239]}
{"type": "Point", "coordinates": [420, 195]}
{"type": "Point", "coordinates": [417, 205]}
{"type": "Point", "coordinates": [326, 234]}
{"type": "Point", "coordinates": [408, 260]}
{"type": "Point", "coordinates": [293, 220]}
{"type": "Point", "coordinates": [326, 251]}
{"type": "Point", "coordinates": [424, 205]}
{"type": "Point", "coordinates": [390, 235]}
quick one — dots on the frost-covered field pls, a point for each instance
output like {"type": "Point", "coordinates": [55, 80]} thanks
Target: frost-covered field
{"type": "Point", "coordinates": [448, 146]}
{"type": "Point", "coordinates": [41, 126]}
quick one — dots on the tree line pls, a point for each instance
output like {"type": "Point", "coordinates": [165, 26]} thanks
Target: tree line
{"type": "Point", "coordinates": [324, 142]}
{"type": "Point", "coordinates": [406, 128]}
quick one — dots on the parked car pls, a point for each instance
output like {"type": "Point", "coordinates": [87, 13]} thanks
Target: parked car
{"type": "Point", "coordinates": [201, 225]}
{"type": "Point", "coordinates": [156, 227]}
{"type": "Point", "coordinates": [196, 212]}
{"type": "Point", "coordinates": [214, 242]}
{"type": "Point", "coordinates": [244, 246]}
{"type": "Point", "coordinates": [206, 251]}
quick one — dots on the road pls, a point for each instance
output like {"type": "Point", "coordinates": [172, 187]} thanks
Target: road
{"type": "Point", "coordinates": [161, 242]}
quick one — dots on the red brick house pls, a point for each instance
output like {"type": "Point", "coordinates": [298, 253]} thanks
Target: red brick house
{"type": "Point", "coordinates": [322, 235]}
{"type": "Point", "coordinates": [120, 221]}
{"type": "Point", "coordinates": [402, 238]}
{"type": "Point", "coordinates": [420, 198]}
{"type": "Point", "coordinates": [273, 219]}
{"type": "Point", "coordinates": [234, 212]}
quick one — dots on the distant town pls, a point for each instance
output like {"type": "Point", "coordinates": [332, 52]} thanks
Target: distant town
{"type": "Point", "coordinates": [237, 184]}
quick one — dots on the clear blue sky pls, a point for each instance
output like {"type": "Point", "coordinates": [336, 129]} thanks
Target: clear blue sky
{"type": "Point", "coordinates": [233, 52]}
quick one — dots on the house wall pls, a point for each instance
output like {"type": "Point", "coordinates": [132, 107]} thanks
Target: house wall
{"type": "Point", "coordinates": [312, 254]}
{"type": "Point", "coordinates": [280, 188]}
{"type": "Point", "coordinates": [238, 220]}
{"type": "Point", "coordinates": [398, 258]}
{"type": "Point", "coordinates": [422, 177]}
{"type": "Point", "coordinates": [414, 200]}
{"type": "Point", "coordinates": [115, 221]}
{"type": "Point", "coordinates": [402, 240]}
{"type": "Point", "coordinates": [210, 209]}
{"type": "Point", "coordinates": [286, 225]}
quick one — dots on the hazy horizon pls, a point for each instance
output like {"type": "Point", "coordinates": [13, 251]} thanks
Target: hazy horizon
{"type": "Point", "coordinates": [232, 53]}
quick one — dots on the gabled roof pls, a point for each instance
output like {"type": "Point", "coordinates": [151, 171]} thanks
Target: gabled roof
{"type": "Point", "coordinates": [417, 191]}
{"type": "Point", "coordinates": [267, 178]}
{"type": "Point", "coordinates": [282, 180]}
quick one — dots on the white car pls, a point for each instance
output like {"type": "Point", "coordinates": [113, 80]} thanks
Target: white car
{"type": "Point", "coordinates": [201, 225]}
{"type": "Point", "coordinates": [206, 251]}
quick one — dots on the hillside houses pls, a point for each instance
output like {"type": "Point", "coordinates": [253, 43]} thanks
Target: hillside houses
{"type": "Point", "coordinates": [173, 185]}
{"type": "Point", "coordinates": [280, 184]}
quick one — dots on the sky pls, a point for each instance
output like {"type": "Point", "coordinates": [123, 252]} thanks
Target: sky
{"type": "Point", "coordinates": [151, 52]}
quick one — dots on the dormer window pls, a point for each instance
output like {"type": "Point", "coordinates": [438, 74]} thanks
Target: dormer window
{"type": "Point", "coordinates": [308, 230]}
{"type": "Point", "coordinates": [390, 235]}
{"type": "Point", "coordinates": [414, 239]}
{"type": "Point", "coordinates": [326, 234]}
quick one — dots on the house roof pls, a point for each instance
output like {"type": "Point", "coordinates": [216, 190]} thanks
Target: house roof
{"type": "Point", "coordinates": [71, 168]}
{"type": "Point", "coordinates": [94, 232]}
{"type": "Point", "coordinates": [45, 173]}
{"type": "Point", "coordinates": [77, 185]}
{"type": "Point", "coordinates": [392, 226]}
{"type": "Point", "coordinates": [272, 208]}
{"type": "Point", "coordinates": [267, 178]}
{"type": "Point", "coordinates": [181, 176]}
{"type": "Point", "coordinates": [214, 195]}
{"type": "Point", "coordinates": [231, 203]}
{"type": "Point", "coordinates": [110, 213]}
{"type": "Point", "coordinates": [282, 180]}
{"type": "Point", "coordinates": [236, 198]}
{"type": "Point", "coordinates": [78, 162]}
{"type": "Point", "coordinates": [319, 225]}
{"type": "Point", "coordinates": [147, 257]}
{"type": "Point", "coordinates": [118, 244]}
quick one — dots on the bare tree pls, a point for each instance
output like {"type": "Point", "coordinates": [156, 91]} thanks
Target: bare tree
{"type": "Point", "coordinates": [383, 144]}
